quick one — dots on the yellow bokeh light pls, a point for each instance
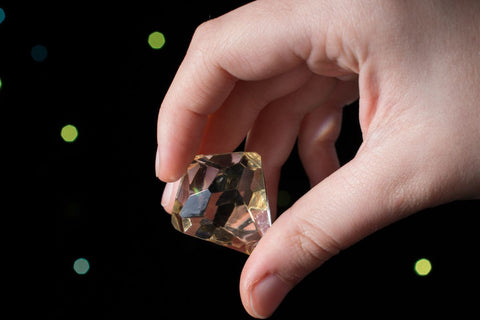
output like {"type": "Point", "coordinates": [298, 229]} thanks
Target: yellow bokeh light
{"type": "Point", "coordinates": [156, 40]}
{"type": "Point", "coordinates": [69, 133]}
{"type": "Point", "coordinates": [423, 267]}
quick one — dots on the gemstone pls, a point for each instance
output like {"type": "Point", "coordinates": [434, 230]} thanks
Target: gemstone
{"type": "Point", "coordinates": [222, 199]}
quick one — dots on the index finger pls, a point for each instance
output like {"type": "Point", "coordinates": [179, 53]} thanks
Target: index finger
{"type": "Point", "coordinates": [258, 41]}
{"type": "Point", "coordinates": [192, 96]}
{"type": "Point", "coordinates": [247, 44]}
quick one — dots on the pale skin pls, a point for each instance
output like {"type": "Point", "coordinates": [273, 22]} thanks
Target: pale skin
{"type": "Point", "coordinates": [278, 71]}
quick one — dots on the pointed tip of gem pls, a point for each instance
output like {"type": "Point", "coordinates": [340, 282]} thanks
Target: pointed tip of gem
{"type": "Point", "coordinates": [222, 199]}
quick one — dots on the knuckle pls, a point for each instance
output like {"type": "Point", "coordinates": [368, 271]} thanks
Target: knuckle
{"type": "Point", "coordinates": [204, 33]}
{"type": "Point", "coordinates": [314, 244]}
{"type": "Point", "coordinates": [206, 46]}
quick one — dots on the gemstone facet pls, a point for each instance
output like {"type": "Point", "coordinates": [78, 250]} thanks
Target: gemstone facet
{"type": "Point", "coordinates": [222, 199]}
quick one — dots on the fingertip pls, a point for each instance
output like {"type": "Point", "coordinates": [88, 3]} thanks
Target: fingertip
{"type": "Point", "coordinates": [261, 287]}
{"type": "Point", "coordinates": [157, 164]}
{"type": "Point", "coordinates": [170, 169]}
{"type": "Point", "coordinates": [169, 195]}
{"type": "Point", "coordinates": [167, 176]}
{"type": "Point", "coordinates": [266, 295]}
{"type": "Point", "coordinates": [261, 290]}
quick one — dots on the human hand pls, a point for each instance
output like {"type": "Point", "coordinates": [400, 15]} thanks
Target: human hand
{"type": "Point", "coordinates": [277, 70]}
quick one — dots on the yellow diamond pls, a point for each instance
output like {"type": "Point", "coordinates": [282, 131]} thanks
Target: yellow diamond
{"type": "Point", "coordinates": [222, 199]}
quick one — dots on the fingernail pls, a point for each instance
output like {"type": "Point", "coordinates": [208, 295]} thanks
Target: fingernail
{"type": "Point", "coordinates": [167, 195]}
{"type": "Point", "coordinates": [157, 163]}
{"type": "Point", "coordinates": [267, 295]}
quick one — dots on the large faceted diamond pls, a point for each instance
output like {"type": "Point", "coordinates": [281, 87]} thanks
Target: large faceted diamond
{"type": "Point", "coordinates": [222, 199]}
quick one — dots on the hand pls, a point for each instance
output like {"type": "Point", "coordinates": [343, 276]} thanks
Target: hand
{"type": "Point", "coordinates": [277, 70]}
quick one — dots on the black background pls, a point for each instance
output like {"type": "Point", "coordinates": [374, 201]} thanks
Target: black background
{"type": "Point", "coordinates": [98, 197]}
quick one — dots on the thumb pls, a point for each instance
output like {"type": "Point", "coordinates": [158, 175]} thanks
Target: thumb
{"type": "Point", "coordinates": [353, 202]}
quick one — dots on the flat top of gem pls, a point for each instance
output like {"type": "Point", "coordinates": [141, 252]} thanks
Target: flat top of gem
{"type": "Point", "coordinates": [222, 199]}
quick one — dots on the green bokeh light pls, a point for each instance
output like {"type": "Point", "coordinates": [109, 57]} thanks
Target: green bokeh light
{"type": "Point", "coordinates": [0, 83]}
{"type": "Point", "coordinates": [156, 40]}
{"type": "Point", "coordinates": [81, 266]}
{"type": "Point", "coordinates": [69, 133]}
{"type": "Point", "coordinates": [423, 267]}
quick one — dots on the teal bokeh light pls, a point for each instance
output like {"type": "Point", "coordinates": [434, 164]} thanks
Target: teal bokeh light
{"type": "Point", "coordinates": [39, 53]}
{"type": "Point", "coordinates": [81, 266]}
{"type": "Point", "coordinates": [2, 15]}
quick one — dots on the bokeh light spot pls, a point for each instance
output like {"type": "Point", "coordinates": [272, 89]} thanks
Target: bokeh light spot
{"type": "Point", "coordinates": [39, 53]}
{"type": "Point", "coordinates": [423, 267]}
{"type": "Point", "coordinates": [2, 15]}
{"type": "Point", "coordinates": [81, 266]}
{"type": "Point", "coordinates": [156, 40]}
{"type": "Point", "coordinates": [69, 133]}
{"type": "Point", "coordinates": [0, 83]}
